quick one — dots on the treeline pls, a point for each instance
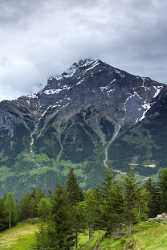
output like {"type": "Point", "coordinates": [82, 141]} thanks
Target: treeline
{"type": "Point", "coordinates": [114, 206]}
{"type": "Point", "coordinates": [13, 211]}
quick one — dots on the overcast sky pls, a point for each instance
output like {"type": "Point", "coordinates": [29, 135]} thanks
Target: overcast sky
{"type": "Point", "coordinates": [41, 37]}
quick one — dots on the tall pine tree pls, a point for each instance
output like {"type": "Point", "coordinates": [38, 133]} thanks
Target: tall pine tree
{"type": "Point", "coordinates": [91, 210]}
{"type": "Point", "coordinates": [153, 191]}
{"type": "Point", "coordinates": [163, 189]}
{"type": "Point", "coordinates": [111, 204]}
{"type": "Point", "coordinates": [44, 208]}
{"type": "Point", "coordinates": [29, 204]}
{"type": "Point", "coordinates": [74, 191]}
{"type": "Point", "coordinates": [135, 201]}
{"type": "Point", "coordinates": [60, 231]}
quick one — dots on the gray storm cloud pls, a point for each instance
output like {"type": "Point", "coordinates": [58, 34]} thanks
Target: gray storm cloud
{"type": "Point", "coordinates": [43, 37]}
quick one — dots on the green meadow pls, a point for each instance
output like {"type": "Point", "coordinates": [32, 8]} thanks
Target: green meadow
{"type": "Point", "coordinates": [147, 235]}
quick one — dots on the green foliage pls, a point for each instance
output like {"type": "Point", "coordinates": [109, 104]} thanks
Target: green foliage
{"type": "Point", "coordinates": [40, 171]}
{"type": "Point", "coordinates": [61, 225]}
{"type": "Point", "coordinates": [59, 233]}
{"type": "Point", "coordinates": [20, 237]}
{"type": "Point", "coordinates": [11, 209]}
{"type": "Point", "coordinates": [148, 235]}
{"type": "Point", "coordinates": [111, 204]}
{"type": "Point", "coordinates": [75, 194]}
{"type": "Point", "coordinates": [29, 204]}
{"type": "Point", "coordinates": [130, 244]}
{"type": "Point", "coordinates": [115, 208]}
{"type": "Point", "coordinates": [90, 208]}
{"type": "Point", "coordinates": [3, 216]}
{"type": "Point", "coordinates": [163, 189]}
{"type": "Point", "coordinates": [42, 239]}
{"type": "Point", "coordinates": [44, 208]}
{"type": "Point", "coordinates": [153, 191]}
{"type": "Point", "coordinates": [135, 201]}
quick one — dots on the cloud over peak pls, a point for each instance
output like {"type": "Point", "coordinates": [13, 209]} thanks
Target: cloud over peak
{"type": "Point", "coordinates": [42, 37]}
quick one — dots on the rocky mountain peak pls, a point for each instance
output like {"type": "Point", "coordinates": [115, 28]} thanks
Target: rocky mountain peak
{"type": "Point", "coordinates": [75, 71]}
{"type": "Point", "coordinates": [89, 106]}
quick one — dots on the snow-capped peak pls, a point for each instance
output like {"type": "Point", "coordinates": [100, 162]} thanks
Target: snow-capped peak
{"type": "Point", "coordinates": [87, 62]}
{"type": "Point", "coordinates": [83, 65]}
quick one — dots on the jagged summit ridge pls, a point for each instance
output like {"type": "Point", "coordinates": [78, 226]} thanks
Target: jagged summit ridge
{"type": "Point", "coordinates": [94, 76]}
{"type": "Point", "coordinates": [82, 64]}
{"type": "Point", "coordinates": [85, 68]}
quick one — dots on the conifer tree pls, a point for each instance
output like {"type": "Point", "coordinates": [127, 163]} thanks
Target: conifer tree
{"type": "Point", "coordinates": [163, 189]}
{"type": "Point", "coordinates": [44, 208]}
{"type": "Point", "coordinates": [135, 201]}
{"type": "Point", "coordinates": [79, 221]}
{"type": "Point", "coordinates": [91, 209]}
{"type": "Point", "coordinates": [111, 204]}
{"type": "Point", "coordinates": [153, 191]}
{"type": "Point", "coordinates": [63, 224]}
{"type": "Point", "coordinates": [3, 216]}
{"type": "Point", "coordinates": [42, 238]}
{"type": "Point", "coordinates": [130, 200]}
{"type": "Point", "coordinates": [74, 191]}
{"type": "Point", "coordinates": [29, 204]}
{"type": "Point", "coordinates": [60, 232]}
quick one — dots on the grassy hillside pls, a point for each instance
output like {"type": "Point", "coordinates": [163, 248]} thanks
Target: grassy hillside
{"type": "Point", "coordinates": [148, 236]}
{"type": "Point", "coordinates": [20, 237]}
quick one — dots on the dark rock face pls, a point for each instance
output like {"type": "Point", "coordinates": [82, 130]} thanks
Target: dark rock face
{"type": "Point", "coordinates": [93, 105]}
{"type": "Point", "coordinates": [16, 123]}
{"type": "Point", "coordinates": [145, 142]}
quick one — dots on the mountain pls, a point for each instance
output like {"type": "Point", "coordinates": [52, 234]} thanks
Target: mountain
{"type": "Point", "coordinates": [90, 116]}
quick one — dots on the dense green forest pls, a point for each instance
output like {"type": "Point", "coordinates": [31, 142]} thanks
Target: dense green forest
{"type": "Point", "coordinates": [114, 208]}
{"type": "Point", "coordinates": [39, 170]}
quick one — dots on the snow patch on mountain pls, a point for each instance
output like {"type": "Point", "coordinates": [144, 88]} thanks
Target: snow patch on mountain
{"type": "Point", "coordinates": [157, 90]}
{"type": "Point", "coordinates": [146, 107]}
{"type": "Point", "coordinates": [93, 65]}
{"type": "Point", "coordinates": [80, 82]}
{"type": "Point", "coordinates": [56, 91]}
